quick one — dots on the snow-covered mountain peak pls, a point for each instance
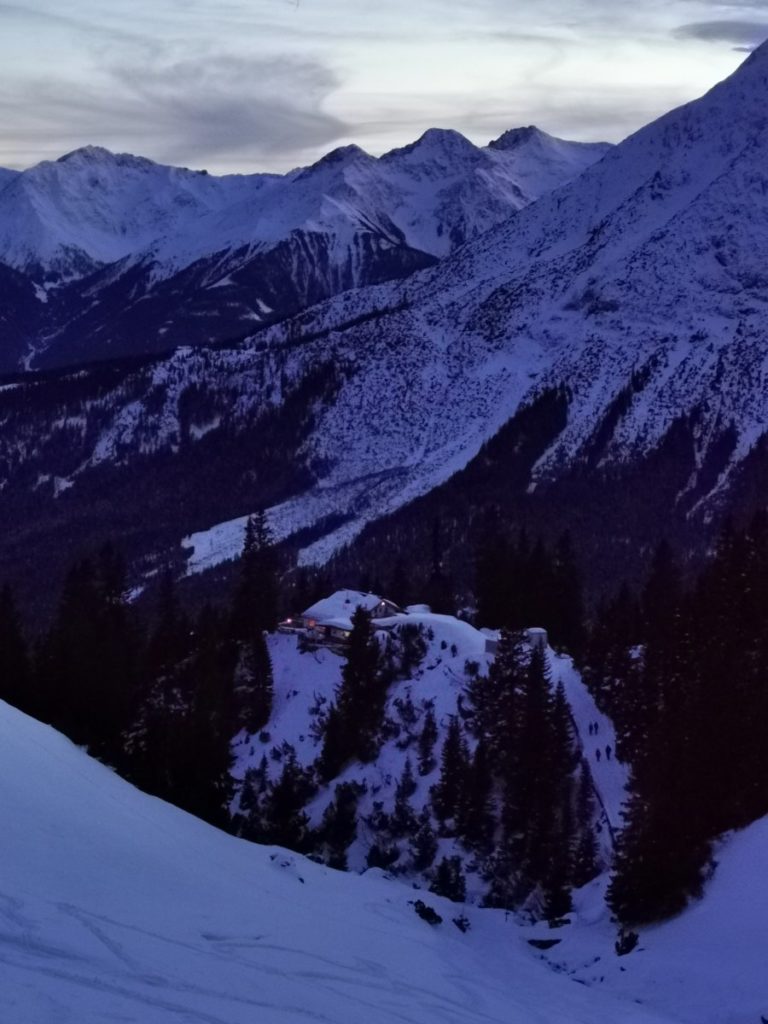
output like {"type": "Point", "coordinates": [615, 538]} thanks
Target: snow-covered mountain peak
{"type": "Point", "coordinates": [342, 155]}
{"type": "Point", "coordinates": [435, 145]}
{"type": "Point", "coordinates": [640, 287]}
{"type": "Point", "coordinates": [276, 243]}
{"type": "Point", "coordinates": [94, 154]}
{"type": "Point", "coordinates": [93, 207]}
{"type": "Point", "coordinates": [759, 56]}
{"type": "Point", "coordinates": [514, 137]}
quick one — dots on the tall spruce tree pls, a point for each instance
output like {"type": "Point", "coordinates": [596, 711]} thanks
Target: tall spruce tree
{"type": "Point", "coordinates": [427, 740]}
{"type": "Point", "coordinates": [202, 735]}
{"type": "Point", "coordinates": [88, 668]}
{"type": "Point", "coordinates": [255, 602]}
{"type": "Point", "coordinates": [354, 723]}
{"type": "Point", "coordinates": [565, 604]}
{"type": "Point", "coordinates": [254, 612]}
{"type": "Point", "coordinates": [447, 794]}
{"type": "Point", "coordinates": [285, 821]}
{"type": "Point", "coordinates": [15, 667]}
{"type": "Point", "coordinates": [403, 819]}
{"type": "Point", "coordinates": [339, 824]}
{"type": "Point", "coordinates": [476, 820]}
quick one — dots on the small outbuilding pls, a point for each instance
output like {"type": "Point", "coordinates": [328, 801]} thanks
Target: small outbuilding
{"type": "Point", "coordinates": [535, 635]}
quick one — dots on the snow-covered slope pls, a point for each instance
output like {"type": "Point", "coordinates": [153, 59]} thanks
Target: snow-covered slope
{"type": "Point", "coordinates": [6, 176]}
{"type": "Point", "coordinates": [705, 967]}
{"type": "Point", "coordinates": [306, 682]}
{"type": "Point", "coordinates": [708, 965]}
{"type": "Point", "coordinates": [116, 906]}
{"type": "Point", "coordinates": [639, 288]}
{"type": "Point", "coordinates": [100, 232]}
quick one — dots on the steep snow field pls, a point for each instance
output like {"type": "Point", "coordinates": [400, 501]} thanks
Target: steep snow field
{"type": "Point", "coordinates": [306, 682]}
{"type": "Point", "coordinates": [301, 679]}
{"type": "Point", "coordinates": [117, 907]}
{"type": "Point", "coordinates": [707, 966]}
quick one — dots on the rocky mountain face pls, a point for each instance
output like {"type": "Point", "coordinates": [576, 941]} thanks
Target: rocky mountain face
{"type": "Point", "coordinates": [117, 255]}
{"type": "Point", "coordinates": [599, 357]}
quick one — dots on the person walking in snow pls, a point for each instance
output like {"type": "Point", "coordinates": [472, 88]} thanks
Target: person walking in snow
{"type": "Point", "coordinates": [608, 752]}
{"type": "Point", "coordinates": [597, 754]}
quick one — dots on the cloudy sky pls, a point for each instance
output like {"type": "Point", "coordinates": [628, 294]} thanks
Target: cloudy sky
{"type": "Point", "coordinates": [243, 85]}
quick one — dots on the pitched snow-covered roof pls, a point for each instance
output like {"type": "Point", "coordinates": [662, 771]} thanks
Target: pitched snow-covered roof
{"type": "Point", "coordinates": [341, 605]}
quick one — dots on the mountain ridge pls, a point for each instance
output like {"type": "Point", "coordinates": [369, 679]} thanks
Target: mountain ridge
{"type": "Point", "coordinates": [122, 255]}
{"type": "Point", "coordinates": [635, 294]}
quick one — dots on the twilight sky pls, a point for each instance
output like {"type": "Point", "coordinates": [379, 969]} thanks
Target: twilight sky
{"type": "Point", "coordinates": [244, 85]}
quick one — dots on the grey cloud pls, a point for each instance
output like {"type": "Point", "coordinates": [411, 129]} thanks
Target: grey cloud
{"type": "Point", "coordinates": [41, 17]}
{"type": "Point", "coordinates": [252, 111]}
{"type": "Point", "coordinates": [743, 34]}
{"type": "Point", "coordinates": [585, 115]}
{"type": "Point", "coordinates": [733, 5]}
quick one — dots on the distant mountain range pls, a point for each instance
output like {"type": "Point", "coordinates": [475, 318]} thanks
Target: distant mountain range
{"type": "Point", "coordinates": [594, 362]}
{"type": "Point", "coordinates": [105, 255]}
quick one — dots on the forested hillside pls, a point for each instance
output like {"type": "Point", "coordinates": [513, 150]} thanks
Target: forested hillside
{"type": "Point", "coordinates": [465, 760]}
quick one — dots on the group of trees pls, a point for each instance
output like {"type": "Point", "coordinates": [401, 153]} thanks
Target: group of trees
{"type": "Point", "coordinates": [680, 668]}
{"type": "Point", "coordinates": [682, 671]}
{"type": "Point", "coordinates": [160, 701]}
{"type": "Point", "coordinates": [519, 584]}
{"type": "Point", "coordinates": [527, 756]}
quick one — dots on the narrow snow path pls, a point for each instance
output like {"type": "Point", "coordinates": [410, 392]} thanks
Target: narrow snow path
{"type": "Point", "coordinates": [597, 739]}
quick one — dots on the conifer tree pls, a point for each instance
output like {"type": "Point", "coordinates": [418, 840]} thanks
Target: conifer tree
{"type": "Point", "coordinates": [565, 605]}
{"type": "Point", "coordinates": [339, 825]}
{"type": "Point", "coordinates": [254, 687]}
{"type": "Point", "coordinates": [202, 737]}
{"type": "Point", "coordinates": [285, 822]}
{"type": "Point", "coordinates": [255, 603]}
{"type": "Point", "coordinates": [87, 673]}
{"type": "Point", "coordinates": [15, 668]}
{"type": "Point", "coordinates": [476, 819]}
{"type": "Point", "coordinates": [169, 641]}
{"type": "Point", "coordinates": [585, 854]}
{"type": "Point", "coordinates": [438, 588]}
{"type": "Point", "coordinates": [449, 880]}
{"type": "Point", "coordinates": [447, 793]}
{"type": "Point", "coordinates": [427, 740]}
{"type": "Point", "coordinates": [254, 612]}
{"type": "Point", "coordinates": [403, 821]}
{"type": "Point", "coordinates": [335, 751]}
{"type": "Point", "coordinates": [424, 843]}
{"type": "Point", "coordinates": [249, 822]}
{"type": "Point", "coordinates": [354, 723]}
{"type": "Point", "coordinates": [493, 579]}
